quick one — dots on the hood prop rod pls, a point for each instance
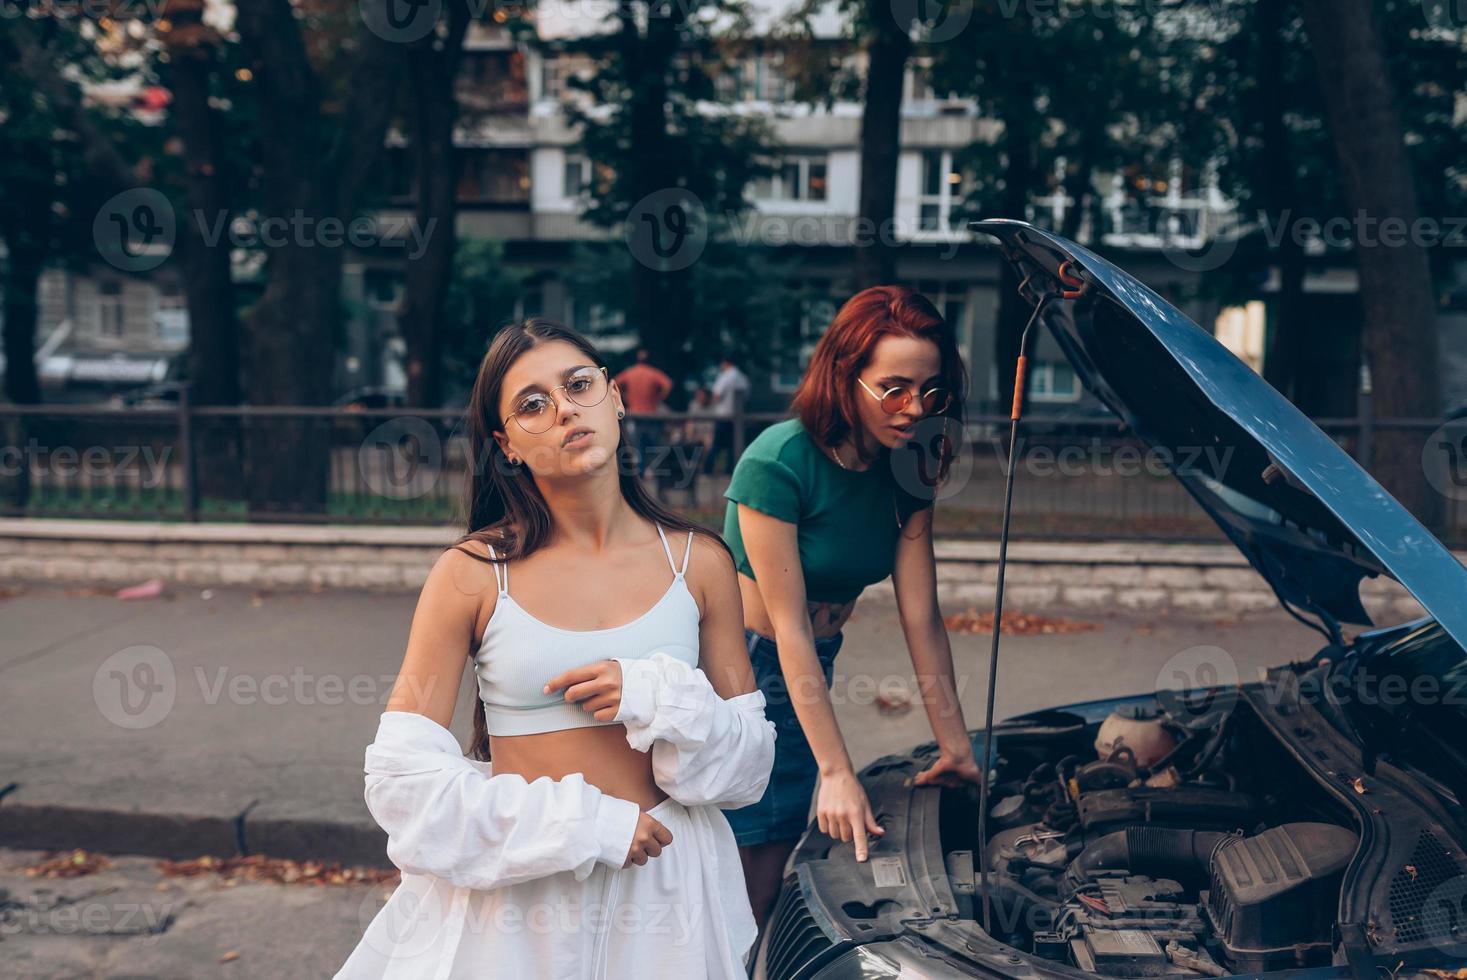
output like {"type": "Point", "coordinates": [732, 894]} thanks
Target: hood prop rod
{"type": "Point", "coordinates": [1076, 288]}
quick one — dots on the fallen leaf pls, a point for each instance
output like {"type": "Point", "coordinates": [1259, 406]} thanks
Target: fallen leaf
{"type": "Point", "coordinates": [230, 956]}
{"type": "Point", "coordinates": [1359, 785]}
{"type": "Point", "coordinates": [1015, 624]}
{"type": "Point", "coordinates": [72, 864]}
{"type": "Point", "coordinates": [151, 589]}
{"type": "Point", "coordinates": [896, 703]}
{"type": "Point", "coordinates": [284, 871]}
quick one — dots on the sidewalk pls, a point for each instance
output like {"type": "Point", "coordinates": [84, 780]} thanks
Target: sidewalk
{"type": "Point", "coordinates": [224, 721]}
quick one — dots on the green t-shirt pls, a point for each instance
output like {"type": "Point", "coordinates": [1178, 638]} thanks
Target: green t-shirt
{"type": "Point", "coordinates": [847, 519]}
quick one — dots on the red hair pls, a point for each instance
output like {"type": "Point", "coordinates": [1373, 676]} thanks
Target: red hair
{"type": "Point", "coordinates": [825, 402]}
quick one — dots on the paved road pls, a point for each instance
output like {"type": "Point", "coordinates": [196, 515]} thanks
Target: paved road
{"type": "Point", "coordinates": [272, 699]}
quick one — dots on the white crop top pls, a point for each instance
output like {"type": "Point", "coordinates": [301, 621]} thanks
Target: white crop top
{"type": "Point", "coordinates": [519, 653]}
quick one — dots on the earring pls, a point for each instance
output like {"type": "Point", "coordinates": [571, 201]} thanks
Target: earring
{"type": "Point", "coordinates": [619, 413]}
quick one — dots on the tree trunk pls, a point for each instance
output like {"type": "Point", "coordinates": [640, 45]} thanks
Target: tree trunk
{"type": "Point", "coordinates": [1013, 313]}
{"type": "Point", "coordinates": [887, 52]}
{"type": "Point", "coordinates": [25, 258]}
{"type": "Point", "coordinates": [660, 297]}
{"type": "Point", "coordinates": [432, 70]}
{"type": "Point", "coordinates": [214, 340]}
{"type": "Point", "coordinates": [1284, 356]}
{"type": "Point", "coordinates": [1396, 291]}
{"type": "Point", "coordinates": [315, 166]}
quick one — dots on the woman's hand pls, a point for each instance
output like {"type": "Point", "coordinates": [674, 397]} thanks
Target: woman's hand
{"type": "Point", "coordinates": [649, 840]}
{"type": "Point", "coordinates": [843, 812]}
{"type": "Point", "coordinates": [596, 687]}
{"type": "Point", "coordinates": [951, 769]}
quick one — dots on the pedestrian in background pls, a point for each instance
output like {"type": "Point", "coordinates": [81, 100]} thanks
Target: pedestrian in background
{"type": "Point", "coordinates": [729, 387]}
{"type": "Point", "coordinates": [643, 389]}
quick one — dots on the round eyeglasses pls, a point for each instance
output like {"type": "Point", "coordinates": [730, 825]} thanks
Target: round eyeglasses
{"type": "Point", "coordinates": [895, 400]}
{"type": "Point", "coordinates": [536, 411]}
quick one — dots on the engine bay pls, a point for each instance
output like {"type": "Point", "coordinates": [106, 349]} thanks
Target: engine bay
{"type": "Point", "coordinates": [1173, 838]}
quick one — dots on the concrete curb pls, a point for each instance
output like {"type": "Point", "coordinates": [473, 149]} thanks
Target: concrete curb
{"type": "Point", "coordinates": [180, 836]}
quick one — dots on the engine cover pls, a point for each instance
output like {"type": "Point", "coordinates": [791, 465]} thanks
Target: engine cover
{"type": "Point", "coordinates": [1273, 897]}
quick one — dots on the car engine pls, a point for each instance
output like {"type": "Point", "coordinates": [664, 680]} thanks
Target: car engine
{"type": "Point", "coordinates": [1170, 841]}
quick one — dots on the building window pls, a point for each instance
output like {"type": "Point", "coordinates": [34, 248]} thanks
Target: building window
{"type": "Point", "coordinates": [942, 190]}
{"type": "Point", "coordinates": [816, 309]}
{"type": "Point", "coordinates": [795, 178]}
{"type": "Point", "coordinates": [558, 70]}
{"type": "Point", "coordinates": [494, 176]}
{"type": "Point", "coordinates": [758, 78]}
{"type": "Point", "coordinates": [493, 80]}
{"type": "Point", "coordinates": [170, 317]}
{"type": "Point", "coordinates": [951, 300]}
{"type": "Point", "coordinates": [382, 288]}
{"type": "Point", "coordinates": [595, 319]}
{"type": "Point", "coordinates": [577, 175]}
{"type": "Point", "coordinates": [111, 310]}
{"type": "Point", "coordinates": [1053, 381]}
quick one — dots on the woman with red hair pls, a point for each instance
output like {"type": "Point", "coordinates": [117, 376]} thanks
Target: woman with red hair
{"type": "Point", "coordinates": [822, 505]}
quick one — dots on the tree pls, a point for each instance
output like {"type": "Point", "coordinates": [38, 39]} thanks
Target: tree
{"type": "Point", "coordinates": [1396, 292]}
{"type": "Point", "coordinates": [665, 157]}
{"type": "Point", "coordinates": [888, 43]}
{"type": "Point", "coordinates": [432, 111]}
{"type": "Point", "coordinates": [194, 52]}
{"type": "Point", "coordinates": [322, 129]}
{"type": "Point", "coordinates": [59, 159]}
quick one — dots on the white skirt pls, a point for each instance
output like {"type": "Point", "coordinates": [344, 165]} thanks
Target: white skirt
{"type": "Point", "coordinates": [684, 914]}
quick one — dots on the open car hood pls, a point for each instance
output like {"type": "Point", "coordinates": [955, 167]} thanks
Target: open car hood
{"type": "Point", "coordinates": [1305, 514]}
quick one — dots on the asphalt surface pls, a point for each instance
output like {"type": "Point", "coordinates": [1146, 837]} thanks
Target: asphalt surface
{"type": "Point", "coordinates": [206, 720]}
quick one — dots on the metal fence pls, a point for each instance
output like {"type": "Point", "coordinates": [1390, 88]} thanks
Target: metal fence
{"type": "Point", "coordinates": [1079, 477]}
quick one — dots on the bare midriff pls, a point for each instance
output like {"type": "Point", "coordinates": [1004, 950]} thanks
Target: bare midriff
{"type": "Point", "coordinates": [601, 753]}
{"type": "Point", "coordinates": [826, 618]}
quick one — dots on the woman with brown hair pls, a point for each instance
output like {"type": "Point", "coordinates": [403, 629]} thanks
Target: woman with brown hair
{"type": "Point", "coordinates": [822, 505]}
{"type": "Point", "coordinates": [595, 842]}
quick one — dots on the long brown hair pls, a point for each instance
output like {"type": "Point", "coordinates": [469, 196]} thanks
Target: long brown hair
{"type": "Point", "coordinates": [824, 400]}
{"type": "Point", "coordinates": [504, 507]}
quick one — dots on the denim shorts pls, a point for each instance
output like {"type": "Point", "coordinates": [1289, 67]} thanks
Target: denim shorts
{"type": "Point", "coordinates": [783, 812]}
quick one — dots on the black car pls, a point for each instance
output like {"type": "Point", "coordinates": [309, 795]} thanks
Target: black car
{"type": "Point", "coordinates": [1309, 824]}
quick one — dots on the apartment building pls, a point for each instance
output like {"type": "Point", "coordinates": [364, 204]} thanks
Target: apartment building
{"type": "Point", "coordinates": [522, 180]}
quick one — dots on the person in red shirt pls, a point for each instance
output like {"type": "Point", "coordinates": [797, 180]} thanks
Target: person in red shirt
{"type": "Point", "coordinates": [643, 387]}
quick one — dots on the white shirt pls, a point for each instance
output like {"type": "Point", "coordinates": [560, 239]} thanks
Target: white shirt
{"type": "Point", "coordinates": [729, 381]}
{"type": "Point", "coordinates": [508, 878]}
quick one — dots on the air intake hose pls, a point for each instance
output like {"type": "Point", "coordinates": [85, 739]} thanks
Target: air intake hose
{"type": "Point", "coordinates": [1159, 852]}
